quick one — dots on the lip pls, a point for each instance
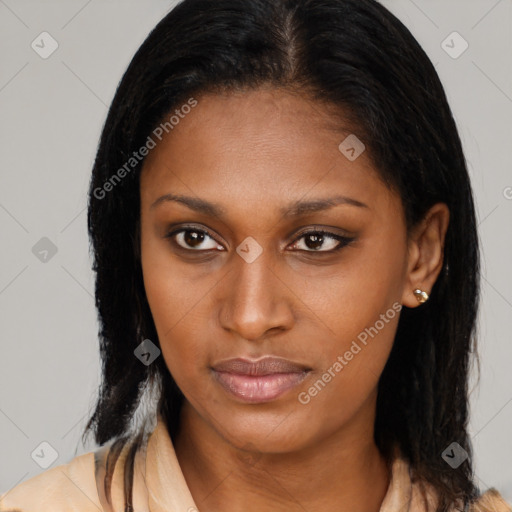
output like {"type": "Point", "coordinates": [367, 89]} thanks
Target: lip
{"type": "Point", "coordinates": [261, 380]}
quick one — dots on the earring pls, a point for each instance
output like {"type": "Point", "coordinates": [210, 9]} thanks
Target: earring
{"type": "Point", "coordinates": [420, 295]}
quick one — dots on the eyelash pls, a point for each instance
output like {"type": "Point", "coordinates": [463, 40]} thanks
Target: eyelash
{"type": "Point", "coordinates": [343, 240]}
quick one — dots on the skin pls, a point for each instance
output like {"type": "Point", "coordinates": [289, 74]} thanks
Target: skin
{"type": "Point", "coordinates": [254, 153]}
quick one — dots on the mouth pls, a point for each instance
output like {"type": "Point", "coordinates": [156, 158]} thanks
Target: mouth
{"type": "Point", "coordinates": [259, 381]}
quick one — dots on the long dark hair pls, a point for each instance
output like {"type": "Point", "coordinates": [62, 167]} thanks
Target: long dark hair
{"type": "Point", "coordinates": [351, 54]}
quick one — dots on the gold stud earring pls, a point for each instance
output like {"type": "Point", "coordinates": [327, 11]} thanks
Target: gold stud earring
{"type": "Point", "coordinates": [421, 295]}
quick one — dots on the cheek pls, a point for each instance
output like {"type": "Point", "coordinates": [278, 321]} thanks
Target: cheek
{"type": "Point", "coordinates": [174, 310]}
{"type": "Point", "coordinates": [179, 335]}
{"type": "Point", "coordinates": [172, 294]}
{"type": "Point", "coordinates": [171, 304]}
{"type": "Point", "coordinates": [181, 307]}
{"type": "Point", "coordinates": [357, 312]}
{"type": "Point", "coordinates": [352, 296]}
{"type": "Point", "coordinates": [353, 363]}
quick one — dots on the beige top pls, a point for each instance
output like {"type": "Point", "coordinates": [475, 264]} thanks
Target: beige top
{"type": "Point", "coordinates": [159, 485]}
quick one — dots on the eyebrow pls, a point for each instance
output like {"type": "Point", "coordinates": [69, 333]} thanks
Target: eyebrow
{"type": "Point", "coordinates": [294, 209]}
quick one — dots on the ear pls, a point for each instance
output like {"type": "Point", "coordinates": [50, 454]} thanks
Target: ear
{"type": "Point", "coordinates": [425, 253]}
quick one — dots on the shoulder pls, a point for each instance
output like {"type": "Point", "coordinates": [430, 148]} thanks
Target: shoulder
{"type": "Point", "coordinates": [69, 487]}
{"type": "Point", "coordinates": [490, 501]}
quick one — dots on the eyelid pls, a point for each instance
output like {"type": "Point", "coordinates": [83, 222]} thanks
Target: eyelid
{"type": "Point", "coordinates": [343, 240]}
{"type": "Point", "coordinates": [326, 230]}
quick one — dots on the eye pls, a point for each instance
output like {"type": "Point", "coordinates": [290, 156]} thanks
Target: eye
{"type": "Point", "coordinates": [199, 240]}
{"type": "Point", "coordinates": [321, 241]}
{"type": "Point", "coordinates": [194, 239]}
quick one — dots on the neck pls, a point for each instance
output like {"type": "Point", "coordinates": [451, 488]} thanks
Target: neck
{"type": "Point", "coordinates": [342, 472]}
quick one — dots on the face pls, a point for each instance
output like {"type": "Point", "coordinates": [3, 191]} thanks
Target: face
{"type": "Point", "coordinates": [275, 311]}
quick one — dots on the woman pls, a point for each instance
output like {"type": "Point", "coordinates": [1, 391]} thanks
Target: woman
{"type": "Point", "coordinates": [287, 262]}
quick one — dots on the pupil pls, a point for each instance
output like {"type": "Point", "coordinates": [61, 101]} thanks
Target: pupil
{"type": "Point", "coordinates": [317, 241]}
{"type": "Point", "coordinates": [193, 238]}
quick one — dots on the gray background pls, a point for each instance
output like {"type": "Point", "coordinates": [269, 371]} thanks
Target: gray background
{"type": "Point", "coordinates": [51, 114]}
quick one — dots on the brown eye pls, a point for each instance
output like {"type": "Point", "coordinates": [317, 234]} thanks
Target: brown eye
{"type": "Point", "coordinates": [194, 239]}
{"type": "Point", "coordinates": [321, 241]}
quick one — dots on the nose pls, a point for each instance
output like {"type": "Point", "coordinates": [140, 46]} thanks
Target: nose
{"type": "Point", "coordinates": [256, 302]}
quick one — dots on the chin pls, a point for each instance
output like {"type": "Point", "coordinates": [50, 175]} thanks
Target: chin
{"type": "Point", "coordinates": [266, 433]}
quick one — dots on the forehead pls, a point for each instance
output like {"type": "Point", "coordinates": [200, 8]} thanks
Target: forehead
{"type": "Point", "coordinates": [265, 143]}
